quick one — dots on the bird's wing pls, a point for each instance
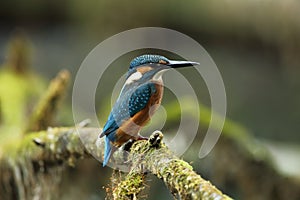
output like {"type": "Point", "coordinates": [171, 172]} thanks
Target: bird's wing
{"type": "Point", "coordinates": [110, 126]}
{"type": "Point", "coordinates": [127, 106]}
{"type": "Point", "coordinates": [140, 98]}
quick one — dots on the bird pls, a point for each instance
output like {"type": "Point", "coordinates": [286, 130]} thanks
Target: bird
{"type": "Point", "coordinates": [138, 100]}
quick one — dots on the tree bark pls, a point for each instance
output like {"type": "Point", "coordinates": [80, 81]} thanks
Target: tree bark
{"type": "Point", "coordinates": [41, 152]}
{"type": "Point", "coordinates": [153, 156]}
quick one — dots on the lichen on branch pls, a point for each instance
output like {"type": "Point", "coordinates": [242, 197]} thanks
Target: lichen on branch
{"type": "Point", "coordinates": [56, 146]}
{"type": "Point", "coordinates": [153, 156]}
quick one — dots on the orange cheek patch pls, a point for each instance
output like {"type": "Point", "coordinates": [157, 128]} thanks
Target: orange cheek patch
{"type": "Point", "coordinates": [162, 62]}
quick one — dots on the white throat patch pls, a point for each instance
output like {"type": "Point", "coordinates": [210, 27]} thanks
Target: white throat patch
{"type": "Point", "coordinates": [158, 75]}
{"type": "Point", "coordinates": [133, 77]}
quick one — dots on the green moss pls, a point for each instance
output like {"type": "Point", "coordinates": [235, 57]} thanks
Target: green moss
{"type": "Point", "coordinates": [177, 174]}
{"type": "Point", "coordinates": [130, 187]}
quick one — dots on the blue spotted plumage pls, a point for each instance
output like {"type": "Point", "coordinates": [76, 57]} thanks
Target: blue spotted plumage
{"type": "Point", "coordinates": [139, 98]}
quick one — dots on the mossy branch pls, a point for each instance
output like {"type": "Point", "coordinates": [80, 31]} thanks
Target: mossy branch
{"type": "Point", "coordinates": [45, 110]}
{"type": "Point", "coordinates": [41, 151]}
{"type": "Point", "coordinates": [153, 156]}
{"type": "Point", "coordinates": [32, 167]}
{"type": "Point", "coordinates": [130, 187]}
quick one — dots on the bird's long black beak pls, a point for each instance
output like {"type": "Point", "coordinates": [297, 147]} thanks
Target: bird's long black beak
{"type": "Point", "coordinates": [177, 64]}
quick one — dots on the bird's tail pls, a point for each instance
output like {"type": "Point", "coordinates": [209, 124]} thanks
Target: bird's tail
{"type": "Point", "coordinates": [107, 151]}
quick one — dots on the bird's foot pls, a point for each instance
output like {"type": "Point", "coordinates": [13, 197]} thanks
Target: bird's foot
{"type": "Point", "coordinates": [128, 145]}
{"type": "Point", "coordinates": [130, 142]}
{"type": "Point", "coordinates": [156, 138]}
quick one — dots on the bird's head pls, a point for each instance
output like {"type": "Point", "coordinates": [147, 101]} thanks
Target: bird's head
{"type": "Point", "coordinates": [146, 67]}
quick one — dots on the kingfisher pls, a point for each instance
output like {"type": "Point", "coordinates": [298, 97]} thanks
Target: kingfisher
{"type": "Point", "coordinates": [139, 98]}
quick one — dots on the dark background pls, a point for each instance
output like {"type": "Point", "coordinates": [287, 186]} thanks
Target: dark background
{"type": "Point", "coordinates": [255, 44]}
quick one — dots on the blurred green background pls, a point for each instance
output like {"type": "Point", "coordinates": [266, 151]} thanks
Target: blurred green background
{"type": "Point", "coordinates": [255, 44]}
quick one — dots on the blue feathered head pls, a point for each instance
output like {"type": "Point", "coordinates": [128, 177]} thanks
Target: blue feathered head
{"type": "Point", "coordinates": [147, 59]}
{"type": "Point", "coordinates": [155, 63]}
